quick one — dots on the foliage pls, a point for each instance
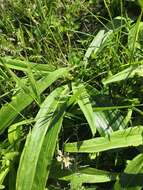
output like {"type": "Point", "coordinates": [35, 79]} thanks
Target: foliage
{"type": "Point", "coordinates": [71, 95]}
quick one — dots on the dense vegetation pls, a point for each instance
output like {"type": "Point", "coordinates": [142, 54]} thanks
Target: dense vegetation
{"type": "Point", "coordinates": [71, 104]}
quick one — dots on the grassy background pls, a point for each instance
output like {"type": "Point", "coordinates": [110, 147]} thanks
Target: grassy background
{"type": "Point", "coordinates": [71, 94]}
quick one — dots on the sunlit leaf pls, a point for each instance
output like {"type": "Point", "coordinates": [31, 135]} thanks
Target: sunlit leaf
{"type": "Point", "coordinates": [94, 46]}
{"type": "Point", "coordinates": [125, 74]}
{"type": "Point", "coordinates": [119, 139]}
{"type": "Point", "coordinates": [19, 102]}
{"type": "Point", "coordinates": [37, 155]}
{"type": "Point", "coordinates": [23, 65]}
{"type": "Point", "coordinates": [131, 178]}
{"type": "Point", "coordinates": [85, 105]}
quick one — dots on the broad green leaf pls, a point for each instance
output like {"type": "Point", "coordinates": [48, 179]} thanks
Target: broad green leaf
{"type": "Point", "coordinates": [132, 178]}
{"type": "Point", "coordinates": [75, 183]}
{"type": "Point", "coordinates": [102, 124]}
{"type": "Point", "coordinates": [108, 118]}
{"type": "Point", "coordinates": [94, 46]}
{"type": "Point", "coordinates": [85, 105]}
{"type": "Point", "coordinates": [46, 154]}
{"type": "Point", "coordinates": [108, 121]}
{"type": "Point", "coordinates": [48, 148]}
{"type": "Point", "coordinates": [90, 175]}
{"type": "Point", "coordinates": [103, 36]}
{"type": "Point", "coordinates": [125, 74]}
{"type": "Point", "coordinates": [135, 36]}
{"type": "Point", "coordinates": [119, 139]}
{"type": "Point", "coordinates": [40, 144]}
{"type": "Point", "coordinates": [23, 65]}
{"type": "Point", "coordinates": [128, 117]}
{"type": "Point", "coordinates": [9, 111]}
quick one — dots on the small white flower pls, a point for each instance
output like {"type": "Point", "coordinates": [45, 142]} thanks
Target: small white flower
{"type": "Point", "coordinates": [65, 159]}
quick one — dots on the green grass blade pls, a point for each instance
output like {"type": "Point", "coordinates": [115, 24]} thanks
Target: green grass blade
{"type": "Point", "coordinates": [109, 121]}
{"type": "Point", "coordinates": [102, 124]}
{"type": "Point", "coordinates": [132, 178]}
{"type": "Point", "coordinates": [22, 85]}
{"type": "Point", "coordinates": [47, 150]}
{"type": "Point", "coordinates": [85, 105]}
{"type": "Point", "coordinates": [91, 175]}
{"type": "Point", "coordinates": [119, 139]}
{"type": "Point", "coordinates": [3, 174]}
{"type": "Point", "coordinates": [94, 46]}
{"type": "Point", "coordinates": [33, 84]}
{"type": "Point", "coordinates": [10, 110]}
{"type": "Point", "coordinates": [46, 155]}
{"type": "Point", "coordinates": [125, 74]}
{"type": "Point", "coordinates": [23, 65]}
{"type": "Point", "coordinates": [105, 108]}
{"type": "Point", "coordinates": [38, 141]}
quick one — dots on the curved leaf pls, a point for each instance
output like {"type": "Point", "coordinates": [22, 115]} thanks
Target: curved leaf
{"type": "Point", "coordinates": [91, 175]}
{"type": "Point", "coordinates": [125, 74]}
{"type": "Point", "coordinates": [135, 36]}
{"type": "Point", "coordinates": [10, 110]}
{"type": "Point", "coordinates": [23, 65]}
{"type": "Point", "coordinates": [94, 46]}
{"type": "Point", "coordinates": [85, 105]}
{"type": "Point", "coordinates": [119, 139]}
{"type": "Point", "coordinates": [108, 121]}
{"type": "Point", "coordinates": [132, 178]}
{"type": "Point", "coordinates": [40, 144]}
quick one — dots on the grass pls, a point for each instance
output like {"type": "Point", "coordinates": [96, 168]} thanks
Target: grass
{"type": "Point", "coordinates": [71, 95]}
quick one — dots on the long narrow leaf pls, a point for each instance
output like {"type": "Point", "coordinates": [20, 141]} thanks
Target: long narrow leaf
{"type": "Point", "coordinates": [119, 139]}
{"type": "Point", "coordinates": [94, 46]}
{"type": "Point", "coordinates": [132, 178]}
{"type": "Point", "coordinates": [39, 147]}
{"type": "Point", "coordinates": [23, 65]}
{"type": "Point", "coordinates": [47, 150]}
{"type": "Point", "coordinates": [108, 121]}
{"type": "Point", "coordinates": [125, 74]}
{"type": "Point", "coordinates": [85, 105]}
{"type": "Point", "coordinates": [10, 110]}
{"type": "Point", "coordinates": [91, 175]}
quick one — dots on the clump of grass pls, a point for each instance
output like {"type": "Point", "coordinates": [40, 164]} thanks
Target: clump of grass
{"type": "Point", "coordinates": [71, 104]}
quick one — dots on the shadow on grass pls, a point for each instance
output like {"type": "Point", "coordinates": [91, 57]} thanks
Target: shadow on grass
{"type": "Point", "coordinates": [131, 180]}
